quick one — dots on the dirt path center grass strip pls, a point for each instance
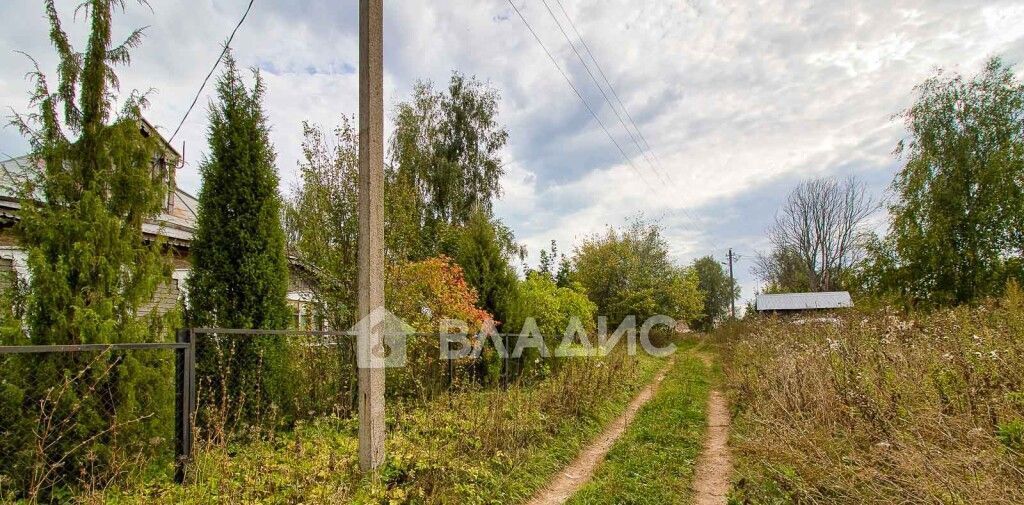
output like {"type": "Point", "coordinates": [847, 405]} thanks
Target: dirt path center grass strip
{"type": "Point", "coordinates": [572, 477]}
{"type": "Point", "coordinates": [653, 462]}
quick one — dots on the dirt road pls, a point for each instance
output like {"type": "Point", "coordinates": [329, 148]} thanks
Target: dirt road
{"type": "Point", "coordinates": [574, 476]}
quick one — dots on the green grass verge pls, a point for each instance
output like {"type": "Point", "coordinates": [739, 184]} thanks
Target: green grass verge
{"type": "Point", "coordinates": [480, 447]}
{"type": "Point", "coordinates": [654, 460]}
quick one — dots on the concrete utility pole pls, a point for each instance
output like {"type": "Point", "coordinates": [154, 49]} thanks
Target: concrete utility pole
{"type": "Point", "coordinates": [370, 340]}
{"type": "Point", "coordinates": [732, 287]}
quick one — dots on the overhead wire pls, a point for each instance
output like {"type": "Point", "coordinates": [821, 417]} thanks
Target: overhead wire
{"type": "Point", "coordinates": [604, 76]}
{"type": "Point", "coordinates": [651, 158]}
{"type": "Point", "coordinates": [625, 110]}
{"type": "Point", "coordinates": [580, 95]}
{"type": "Point", "coordinates": [533, 32]}
{"type": "Point", "coordinates": [603, 94]}
{"type": "Point", "coordinates": [227, 45]}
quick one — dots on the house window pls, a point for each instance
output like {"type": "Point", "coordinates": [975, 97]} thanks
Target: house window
{"type": "Point", "coordinates": [6, 273]}
{"type": "Point", "coordinates": [298, 315]}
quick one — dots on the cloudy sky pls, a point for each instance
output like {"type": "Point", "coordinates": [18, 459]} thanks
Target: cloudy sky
{"type": "Point", "coordinates": [738, 100]}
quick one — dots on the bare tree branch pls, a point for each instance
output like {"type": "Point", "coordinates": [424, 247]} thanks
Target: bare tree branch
{"type": "Point", "coordinates": [818, 232]}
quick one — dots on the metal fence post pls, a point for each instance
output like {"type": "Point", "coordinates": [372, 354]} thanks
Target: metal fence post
{"type": "Point", "coordinates": [503, 377]}
{"type": "Point", "coordinates": [184, 402]}
{"type": "Point", "coordinates": [451, 364]}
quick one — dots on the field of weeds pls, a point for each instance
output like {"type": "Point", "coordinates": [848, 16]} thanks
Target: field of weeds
{"type": "Point", "coordinates": [880, 407]}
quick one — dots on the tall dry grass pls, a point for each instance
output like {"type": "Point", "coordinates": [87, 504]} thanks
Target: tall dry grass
{"type": "Point", "coordinates": [880, 407]}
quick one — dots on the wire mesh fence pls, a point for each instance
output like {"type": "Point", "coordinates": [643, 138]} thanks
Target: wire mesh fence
{"type": "Point", "coordinates": [76, 419]}
{"type": "Point", "coordinates": [253, 382]}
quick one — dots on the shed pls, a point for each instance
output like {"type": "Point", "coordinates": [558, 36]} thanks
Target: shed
{"type": "Point", "coordinates": [796, 302]}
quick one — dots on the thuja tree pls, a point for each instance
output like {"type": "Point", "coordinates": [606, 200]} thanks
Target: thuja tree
{"type": "Point", "coordinates": [99, 175]}
{"type": "Point", "coordinates": [239, 267]}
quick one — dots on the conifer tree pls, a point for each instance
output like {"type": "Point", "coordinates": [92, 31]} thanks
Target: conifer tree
{"type": "Point", "coordinates": [486, 262]}
{"type": "Point", "coordinates": [98, 174]}
{"type": "Point", "coordinates": [239, 267]}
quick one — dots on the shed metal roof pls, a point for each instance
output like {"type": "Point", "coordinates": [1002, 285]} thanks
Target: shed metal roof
{"type": "Point", "coordinates": [804, 301]}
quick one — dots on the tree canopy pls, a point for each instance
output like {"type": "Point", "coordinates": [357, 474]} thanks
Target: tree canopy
{"type": "Point", "coordinates": [817, 237]}
{"type": "Point", "coordinates": [957, 220]}
{"type": "Point", "coordinates": [102, 174]}
{"type": "Point", "coordinates": [628, 272]}
{"type": "Point", "coordinates": [445, 153]}
{"type": "Point", "coordinates": [485, 251]}
{"type": "Point", "coordinates": [717, 289]}
{"type": "Point", "coordinates": [551, 307]}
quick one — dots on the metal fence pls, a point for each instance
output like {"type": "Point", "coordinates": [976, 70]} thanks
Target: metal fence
{"type": "Point", "coordinates": [80, 418]}
{"type": "Point", "coordinates": [74, 418]}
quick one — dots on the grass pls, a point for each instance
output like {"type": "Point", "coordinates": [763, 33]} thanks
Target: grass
{"type": "Point", "coordinates": [654, 460]}
{"type": "Point", "coordinates": [487, 446]}
{"type": "Point", "coordinates": [882, 407]}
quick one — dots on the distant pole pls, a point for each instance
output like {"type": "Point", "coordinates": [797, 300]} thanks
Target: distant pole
{"type": "Point", "coordinates": [732, 288]}
{"type": "Point", "coordinates": [370, 343]}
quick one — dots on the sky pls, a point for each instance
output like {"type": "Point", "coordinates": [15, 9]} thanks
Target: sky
{"type": "Point", "coordinates": [738, 101]}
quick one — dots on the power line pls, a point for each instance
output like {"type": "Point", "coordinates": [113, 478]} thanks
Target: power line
{"type": "Point", "coordinates": [601, 89]}
{"type": "Point", "coordinates": [650, 161]}
{"type": "Point", "coordinates": [578, 94]}
{"type": "Point", "coordinates": [654, 166]}
{"type": "Point", "coordinates": [586, 47]}
{"type": "Point", "coordinates": [227, 45]}
{"type": "Point", "coordinates": [594, 114]}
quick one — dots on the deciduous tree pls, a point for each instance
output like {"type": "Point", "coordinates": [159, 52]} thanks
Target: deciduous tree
{"type": "Point", "coordinates": [820, 231]}
{"type": "Point", "coordinates": [957, 221]}
{"type": "Point", "coordinates": [717, 289]}
{"type": "Point", "coordinates": [628, 272]}
{"type": "Point", "coordinates": [322, 220]}
{"type": "Point", "coordinates": [445, 149]}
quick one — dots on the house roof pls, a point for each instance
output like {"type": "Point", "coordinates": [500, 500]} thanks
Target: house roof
{"type": "Point", "coordinates": [804, 301]}
{"type": "Point", "coordinates": [147, 128]}
{"type": "Point", "coordinates": [177, 223]}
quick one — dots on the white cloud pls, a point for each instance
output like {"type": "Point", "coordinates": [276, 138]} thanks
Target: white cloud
{"type": "Point", "coordinates": [737, 98]}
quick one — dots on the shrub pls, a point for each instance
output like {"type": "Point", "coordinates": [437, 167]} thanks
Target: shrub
{"type": "Point", "coordinates": [421, 294]}
{"type": "Point", "coordinates": [553, 309]}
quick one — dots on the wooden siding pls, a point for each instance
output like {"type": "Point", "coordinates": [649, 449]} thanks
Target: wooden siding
{"type": "Point", "coordinates": [164, 300]}
{"type": "Point", "coordinates": [6, 271]}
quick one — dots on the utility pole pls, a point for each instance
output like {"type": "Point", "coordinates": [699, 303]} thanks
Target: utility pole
{"type": "Point", "coordinates": [370, 338]}
{"type": "Point", "coordinates": [732, 287]}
